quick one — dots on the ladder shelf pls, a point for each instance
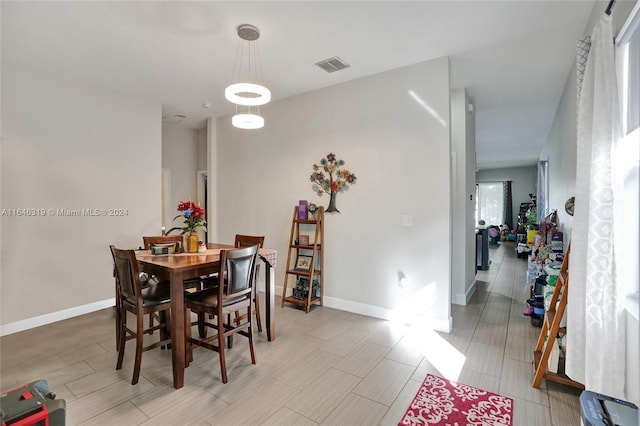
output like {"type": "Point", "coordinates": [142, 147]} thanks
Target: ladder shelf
{"type": "Point", "coordinates": [312, 272]}
{"type": "Point", "coordinates": [550, 329]}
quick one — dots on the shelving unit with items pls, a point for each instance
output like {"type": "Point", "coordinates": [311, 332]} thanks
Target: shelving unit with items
{"type": "Point", "coordinates": [551, 327]}
{"type": "Point", "coordinates": [305, 260]}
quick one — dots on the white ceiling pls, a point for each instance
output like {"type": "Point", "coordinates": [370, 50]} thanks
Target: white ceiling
{"type": "Point", "coordinates": [513, 57]}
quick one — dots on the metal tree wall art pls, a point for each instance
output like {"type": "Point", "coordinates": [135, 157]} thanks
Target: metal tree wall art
{"type": "Point", "coordinates": [330, 177]}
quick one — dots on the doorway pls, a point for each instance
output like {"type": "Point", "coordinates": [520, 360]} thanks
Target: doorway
{"type": "Point", "coordinates": [202, 189]}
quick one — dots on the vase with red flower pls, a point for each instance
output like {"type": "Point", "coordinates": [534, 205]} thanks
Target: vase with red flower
{"type": "Point", "coordinates": [192, 243]}
{"type": "Point", "coordinates": [193, 216]}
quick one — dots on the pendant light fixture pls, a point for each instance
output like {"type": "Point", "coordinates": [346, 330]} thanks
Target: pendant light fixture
{"type": "Point", "coordinates": [246, 91]}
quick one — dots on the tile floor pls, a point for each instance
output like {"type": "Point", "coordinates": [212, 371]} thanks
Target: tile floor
{"type": "Point", "coordinates": [326, 367]}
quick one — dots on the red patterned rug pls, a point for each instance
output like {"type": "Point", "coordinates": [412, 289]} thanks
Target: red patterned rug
{"type": "Point", "coordinates": [443, 402]}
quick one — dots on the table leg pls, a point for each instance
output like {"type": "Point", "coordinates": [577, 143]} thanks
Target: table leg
{"type": "Point", "coordinates": [269, 303]}
{"type": "Point", "coordinates": [177, 329]}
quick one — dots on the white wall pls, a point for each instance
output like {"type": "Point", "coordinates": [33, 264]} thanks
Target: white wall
{"type": "Point", "coordinates": [67, 146]}
{"type": "Point", "coordinates": [180, 155]}
{"type": "Point", "coordinates": [212, 168]}
{"type": "Point", "coordinates": [463, 198]}
{"type": "Point", "coordinates": [524, 181]}
{"type": "Point", "coordinates": [202, 149]}
{"type": "Point", "coordinates": [560, 151]}
{"type": "Point", "coordinates": [396, 143]}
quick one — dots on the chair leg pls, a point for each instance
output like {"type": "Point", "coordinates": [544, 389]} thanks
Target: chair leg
{"type": "Point", "coordinates": [257, 310]}
{"type": "Point", "coordinates": [202, 329]}
{"type": "Point", "coordinates": [151, 322]}
{"type": "Point", "coordinates": [118, 326]}
{"type": "Point", "coordinates": [122, 333]}
{"type": "Point", "coordinates": [230, 338]}
{"type": "Point", "coordinates": [256, 299]}
{"type": "Point", "coordinates": [223, 364]}
{"type": "Point", "coordinates": [188, 347]}
{"type": "Point", "coordinates": [139, 341]}
{"type": "Point", "coordinates": [250, 335]}
{"type": "Point", "coordinates": [165, 331]}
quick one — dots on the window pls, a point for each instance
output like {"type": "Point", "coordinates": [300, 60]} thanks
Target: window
{"type": "Point", "coordinates": [542, 198]}
{"type": "Point", "coordinates": [489, 202]}
{"type": "Point", "coordinates": [626, 159]}
{"type": "Point", "coordinates": [628, 65]}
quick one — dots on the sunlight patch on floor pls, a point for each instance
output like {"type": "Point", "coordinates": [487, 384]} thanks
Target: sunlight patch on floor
{"type": "Point", "coordinates": [411, 320]}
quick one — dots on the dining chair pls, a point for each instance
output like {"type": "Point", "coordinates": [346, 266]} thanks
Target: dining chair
{"type": "Point", "coordinates": [237, 266]}
{"type": "Point", "coordinates": [246, 241]}
{"type": "Point", "coordinates": [132, 297]}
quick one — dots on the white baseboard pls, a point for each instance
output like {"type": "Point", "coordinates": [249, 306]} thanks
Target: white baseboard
{"type": "Point", "coordinates": [463, 299]}
{"type": "Point", "coordinates": [458, 299]}
{"type": "Point", "coordinates": [15, 327]}
{"type": "Point", "coordinates": [358, 308]}
{"type": "Point", "coordinates": [437, 324]}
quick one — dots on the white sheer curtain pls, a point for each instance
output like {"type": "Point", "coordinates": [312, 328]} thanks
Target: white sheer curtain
{"type": "Point", "coordinates": [490, 203]}
{"type": "Point", "coordinates": [595, 312]}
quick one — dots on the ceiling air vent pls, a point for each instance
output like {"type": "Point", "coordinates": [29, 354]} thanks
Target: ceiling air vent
{"type": "Point", "coordinates": [174, 119]}
{"type": "Point", "coordinates": [333, 64]}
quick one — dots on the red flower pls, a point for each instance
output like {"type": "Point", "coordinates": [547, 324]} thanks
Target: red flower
{"type": "Point", "coordinates": [193, 216]}
{"type": "Point", "coordinates": [334, 186]}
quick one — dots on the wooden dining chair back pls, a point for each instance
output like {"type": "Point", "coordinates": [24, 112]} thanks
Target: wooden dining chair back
{"type": "Point", "coordinates": [139, 301]}
{"type": "Point", "coordinates": [162, 239]}
{"type": "Point", "coordinates": [247, 241]}
{"type": "Point", "coordinates": [235, 295]}
{"type": "Point", "coordinates": [149, 241]}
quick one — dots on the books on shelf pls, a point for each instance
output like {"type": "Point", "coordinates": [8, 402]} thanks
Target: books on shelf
{"type": "Point", "coordinates": [303, 213]}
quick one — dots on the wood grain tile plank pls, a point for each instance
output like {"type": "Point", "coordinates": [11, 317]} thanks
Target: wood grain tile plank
{"type": "Point", "coordinates": [395, 412]}
{"type": "Point", "coordinates": [362, 359]}
{"type": "Point", "coordinates": [285, 416]}
{"type": "Point", "coordinates": [322, 396]}
{"type": "Point", "coordinates": [356, 410]}
{"type": "Point", "coordinates": [385, 382]}
{"type": "Point", "coordinates": [125, 414]}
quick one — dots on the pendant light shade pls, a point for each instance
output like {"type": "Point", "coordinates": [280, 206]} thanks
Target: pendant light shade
{"type": "Point", "coordinates": [247, 121]}
{"type": "Point", "coordinates": [249, 94]}
{"type": "Point", "coordinates": [246, 90]}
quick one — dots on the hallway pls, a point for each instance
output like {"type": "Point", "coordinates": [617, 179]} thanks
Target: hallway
{"type": "Point", "coordinates": [498, 341]}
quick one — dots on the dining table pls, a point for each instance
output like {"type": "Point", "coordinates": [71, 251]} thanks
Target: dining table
{"type": "Point", "coordinates": [181, 266]}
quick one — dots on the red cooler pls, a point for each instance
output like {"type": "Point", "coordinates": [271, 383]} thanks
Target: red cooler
{"type": "Point", "coordinates": [31, 404]}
